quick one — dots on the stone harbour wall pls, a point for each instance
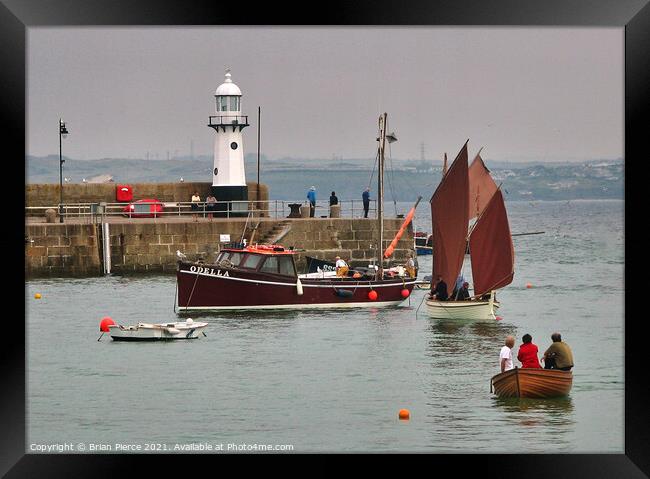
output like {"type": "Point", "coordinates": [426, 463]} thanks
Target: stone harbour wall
{"type": "Point", "coordinates": [47, 194]}
{"type": "Point", "coordinates": [150, 245]}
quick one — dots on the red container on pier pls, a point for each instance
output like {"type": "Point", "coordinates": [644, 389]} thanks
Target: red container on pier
{"type": "Point", "coordinates": [124, 193]}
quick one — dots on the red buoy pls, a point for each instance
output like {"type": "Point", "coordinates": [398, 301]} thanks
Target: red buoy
{"type": "Point", "coordinates": [405, 293]}
{"type": "Point", "coordinates": [372, 295]}
{"type": "Point", "coordinates": [105, 323]}
{"type": "Point", "coordinates": [498, 318]}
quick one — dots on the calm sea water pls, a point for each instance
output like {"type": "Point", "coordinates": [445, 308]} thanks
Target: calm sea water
{"type": "Point", "coordinates": [335, 381]}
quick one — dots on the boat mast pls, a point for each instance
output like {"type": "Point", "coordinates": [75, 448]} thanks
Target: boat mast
{"type": "Point", "coordinates": [380, 201]}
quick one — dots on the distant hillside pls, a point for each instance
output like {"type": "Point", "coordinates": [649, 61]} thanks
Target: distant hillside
{"type": "Point", "coordinates": [289, 179]}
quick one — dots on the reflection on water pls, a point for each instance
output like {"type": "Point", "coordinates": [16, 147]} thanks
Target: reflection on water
{"type": "Point", "coordinates": [559, 405]}
{"type": "Point", "coordinates": [550, 421]}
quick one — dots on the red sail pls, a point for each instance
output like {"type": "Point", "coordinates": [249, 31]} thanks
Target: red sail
{"type": "Point", "coordinates": [449, 207]}
{"type": "Point", "coordinates": [481, 187]}
{"type": "Point", "coordinates": [491, 249]}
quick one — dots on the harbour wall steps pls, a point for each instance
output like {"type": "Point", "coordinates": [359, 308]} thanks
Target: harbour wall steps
{"type": "Point", "coordinates": [146, 245]}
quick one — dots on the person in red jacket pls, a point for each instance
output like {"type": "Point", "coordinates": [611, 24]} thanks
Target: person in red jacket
{"type": "Point", "coordinates": [527, 354]}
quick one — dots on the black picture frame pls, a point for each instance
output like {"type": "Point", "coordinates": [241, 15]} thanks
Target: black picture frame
{"type": "Point", "coordinates": [634, 15]}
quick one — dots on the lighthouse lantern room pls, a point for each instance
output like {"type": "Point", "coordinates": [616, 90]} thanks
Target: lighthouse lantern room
{"type": "Point", "coordinates": [228, 175]}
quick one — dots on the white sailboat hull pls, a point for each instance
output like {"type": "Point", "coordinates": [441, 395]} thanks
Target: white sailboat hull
{"type": "Point", "coordinates": [473, 310]}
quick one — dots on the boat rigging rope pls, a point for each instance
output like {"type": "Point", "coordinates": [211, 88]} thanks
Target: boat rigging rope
{"type": "Point", "coordinates": [175, 293]}
{"type": "Point", "coordinates": [416, 311]}
{"type": "Point", "coordinates": [391, 179]}
{"type": "Point", "coordinates": [192, 292]}
{"type": "Point", "coordinates": [372, 174]}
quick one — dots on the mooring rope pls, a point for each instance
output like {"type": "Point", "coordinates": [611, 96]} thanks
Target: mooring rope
{"type": "Point", "coordinates": [192, 292]}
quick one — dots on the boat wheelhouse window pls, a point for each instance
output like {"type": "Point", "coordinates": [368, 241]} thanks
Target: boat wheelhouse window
{"type": "Point", "coordinates": [251, 261]}
{"type": "Point", "coordinates": [221, 256]}
{"type": "Point", "coordinates": [270, 265]}
{"type": "Point", "coordinates": [286, 266]}
{"type": "Point", "coordinates": [235, 258]}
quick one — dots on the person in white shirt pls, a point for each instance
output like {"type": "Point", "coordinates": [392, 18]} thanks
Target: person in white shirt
{"type": "Point", "coordinates": [505, 358]}
{"type": "Point", "coordinates": [341, 267]}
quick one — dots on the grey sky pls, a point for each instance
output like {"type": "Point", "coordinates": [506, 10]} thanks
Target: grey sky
{"type": "Point", "coordinates": [522, 93]}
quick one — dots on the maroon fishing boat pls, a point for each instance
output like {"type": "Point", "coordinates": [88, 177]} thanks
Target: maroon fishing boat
{"type": "Point", "coordinates": [265, 276]}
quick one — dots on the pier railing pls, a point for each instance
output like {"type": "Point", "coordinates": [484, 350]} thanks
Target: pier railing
{"type": "Point", "coordinates": [275, 209]}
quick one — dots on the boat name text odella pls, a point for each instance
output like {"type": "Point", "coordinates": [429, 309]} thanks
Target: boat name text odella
{"type": "Point", "coordinates": [208, 271]}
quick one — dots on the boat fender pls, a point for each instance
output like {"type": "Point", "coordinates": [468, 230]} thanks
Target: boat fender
{"type": "Point", "coordinates": [372, 295]}
{"type": "Point", "coordinates": [299, 287]}
{"type": "Point", "coordinates": [344, 293]}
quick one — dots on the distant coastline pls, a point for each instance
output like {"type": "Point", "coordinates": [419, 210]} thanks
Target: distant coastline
{"type": "Point", "coordinates": [289, 178]}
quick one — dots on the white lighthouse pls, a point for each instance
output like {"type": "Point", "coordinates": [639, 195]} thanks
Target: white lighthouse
{"type": "Point", "coordinates": [228, 175]}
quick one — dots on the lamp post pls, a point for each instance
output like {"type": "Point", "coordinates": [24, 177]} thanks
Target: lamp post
{"type": "Point", "coordinates": [63, 133]}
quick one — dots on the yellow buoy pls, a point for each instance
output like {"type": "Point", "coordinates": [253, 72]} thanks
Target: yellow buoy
{"type": "Point", "coordinates": [37, 296]}
{"type": "Point", "coordinates": [404, 414]}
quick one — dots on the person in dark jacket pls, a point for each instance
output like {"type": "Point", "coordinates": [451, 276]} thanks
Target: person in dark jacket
{"type": "Point", "coordinates": [366, 202]}
{"type": "Point", "coordinates": [440, 290]}
{"type": "Point", "coordinates": [461, 294]}
{"type": "Point", "coordinates": [333, 199]}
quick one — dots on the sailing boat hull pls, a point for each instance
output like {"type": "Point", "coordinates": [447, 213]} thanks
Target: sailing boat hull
{"type": "Point", "coordinates": [472, 310]}
{"type": "Point", "coordinates": [532, 383]}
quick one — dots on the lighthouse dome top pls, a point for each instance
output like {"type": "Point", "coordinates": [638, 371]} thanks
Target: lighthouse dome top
{"type": "Point", "coordinates": [227, 88]}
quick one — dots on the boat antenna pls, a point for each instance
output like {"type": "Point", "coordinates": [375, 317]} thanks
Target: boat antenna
{"type": "Point", "coordinates": [380, 201]}
{"type": "Point", "coordinates": [259, 127]}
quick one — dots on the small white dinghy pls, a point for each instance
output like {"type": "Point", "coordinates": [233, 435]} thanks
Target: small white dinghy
{"type": "Point", "coordinates": [188, 329]}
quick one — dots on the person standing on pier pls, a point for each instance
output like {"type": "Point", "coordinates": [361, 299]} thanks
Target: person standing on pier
{"type": "Point", "coordinates": [195, 205]}
{"type": "Point", "coordinates": [311, 196]}
{"type": "Point", "coordinates": [366, 202]}
{"type": "Point", "coordinates": [211, 205]}
{"type": "Point", "coordinates": [333, 199]}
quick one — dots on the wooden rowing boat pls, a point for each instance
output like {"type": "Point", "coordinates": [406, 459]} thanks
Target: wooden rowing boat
{"type": "Point", "coordinates": [532, 383]}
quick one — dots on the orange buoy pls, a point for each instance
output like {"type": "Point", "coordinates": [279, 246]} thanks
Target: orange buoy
{"type": "Point", "coordinates": [372, 295]}
{"type": "Point", "coordinates": [105, 323]}
{"type": "Point", "coordinates": [405, 293]}
{"type": "Point", "coordinates": [528, 285]}
{"type": "Point", "coordinates": [37, 296]}
{"type": "Point", "coordinates": [404, 414]}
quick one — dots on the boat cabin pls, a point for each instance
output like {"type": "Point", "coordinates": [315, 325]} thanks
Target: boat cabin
{"type": "Point", "coordinates": [273, 259]}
